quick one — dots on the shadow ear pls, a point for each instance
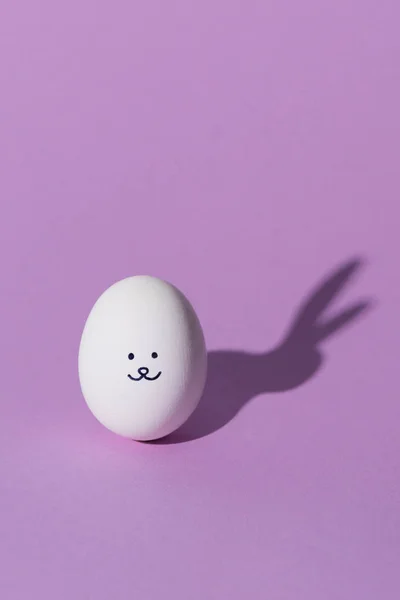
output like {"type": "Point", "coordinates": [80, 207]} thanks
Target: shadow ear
{"type": "Point", "coordinates": [325, 330]}
{"type": "Point", "coordinates": [305, 322]}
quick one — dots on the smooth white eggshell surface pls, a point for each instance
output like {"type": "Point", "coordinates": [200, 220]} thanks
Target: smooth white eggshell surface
{"type": "Point", "coordinates": [152, 320]}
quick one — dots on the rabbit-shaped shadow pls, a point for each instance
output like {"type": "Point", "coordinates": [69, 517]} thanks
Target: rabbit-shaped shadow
{"type": "Point", "coordinates": [234, 377]}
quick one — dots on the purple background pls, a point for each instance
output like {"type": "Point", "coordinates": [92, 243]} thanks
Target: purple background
{"type": "Point", "coordinates": [246, 151]}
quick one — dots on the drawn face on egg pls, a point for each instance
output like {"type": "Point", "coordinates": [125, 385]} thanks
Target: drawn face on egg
{"type": "Point", "coordinates": [143, 373]}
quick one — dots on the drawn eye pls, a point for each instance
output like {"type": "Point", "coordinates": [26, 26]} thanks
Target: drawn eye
{"type": "Point", "coordinates": [131, 356]}
{"type": "Point", "coordinates": [154, 355]}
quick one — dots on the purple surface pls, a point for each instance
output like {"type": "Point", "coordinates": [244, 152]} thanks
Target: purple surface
{"type": "Point", "coordinates": [247, 152]}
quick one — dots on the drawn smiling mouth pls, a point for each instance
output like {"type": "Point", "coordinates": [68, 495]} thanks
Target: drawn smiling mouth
{"type": "Point", "coordinates": [144, 374]}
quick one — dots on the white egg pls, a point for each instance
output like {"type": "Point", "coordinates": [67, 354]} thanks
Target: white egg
{"type": "Point", "coordinates": [142, 358]}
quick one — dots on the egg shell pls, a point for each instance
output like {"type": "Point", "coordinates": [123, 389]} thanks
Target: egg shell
{"type": "Point", "coordinates": [144, 323]}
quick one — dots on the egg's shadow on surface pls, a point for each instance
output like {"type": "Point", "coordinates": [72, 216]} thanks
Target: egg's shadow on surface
{"type": "Point", "coordinates": [235, 377]}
